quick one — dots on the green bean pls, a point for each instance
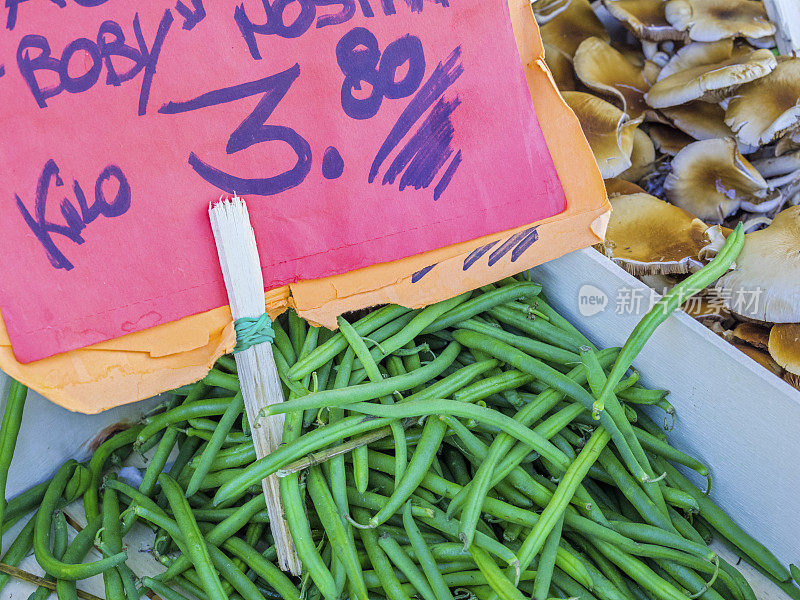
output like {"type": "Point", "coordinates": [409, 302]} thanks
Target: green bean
{"type": "Point", "coordinates": [9, 430]}
{"type": "Point", "coordinates": [547, 561]}
{"type": "Point", "coordinates": [374, 501]}
{"type": "Point", "coordinates": [202, 408]}
{"type": "Point", "coordinates": [224, 530]}
{"type": "Point", "coordinates": [504, 588]}
{"type": "Point", "coordinates": [60, 543]}
{"type": "Point", "coordinates": [649, 534]}
{"type": "Point", "coordinates": [535, 348]}
{"type": "Point", "coordinates": [403, 562]}
{"type": "Point", "coordinates": [233, 575]}
{"type": "Point", "coordinates": [166, 593]}
{"type": "Point", "coordinates": [666, 305]}
{"type": "Point", "coordinates": [340, 539]}
{"type": "Point", "coordinates": [337, 479]}
{"type": "Point", "coordinates": [226, 381]}
{"type": "Point", "coordinates": [186, 450]}
{"type": "Point", "coordinates": [283, 344]}
{"type": "Point", "coordinates": [726, 527]}
{"type": "Point", "coordinates": [23, 503]}
{"type": "Point", "coordinates": [640, 573]}
{"type": "Point", "coordinates": [537, 328]}
{"type": "Point", "coordinates": [66, 588]}
{"type": "Point", "coordinates": [483, 302]}
{"type": "Point", "coordinates": [380, 562]}
{"type": "Point", "coordinates": [425, 557]}
{"type": "Point", "coordinates": [572, 587]}
{"type": "Point", "coordinates": [239, 455]}
{"type": "Point", "coordinates": [421, 460]}
{"type": "Point", "coordinates": [294, 512]}
{"type": "Point", "coordinates": [634, 493]}
{"type": "Point", "coordinates": [640, 395]}
{"type": "Point", "coordinates": [634, 456]}
{"type": "Point", "coordinates": [226, 422]}
{"type": "Point", "coordinates": [297, 330]}
{"type": "Point", "coordinates": [116, 580]}
{"type": "Point", "coordinates": [453, 383]}
{"type": "Point", "coordinates": [661, 448]}
{"type": "Point", "coordinates": [556, 380]}
{"type": "Point", "coordinates": [336, 344]}
{"type": "Point", "coordinates": [680, 499]}
{"type": "Point", "coordinates": [159, 460]}
{"type": "Point", "coordinates": [561, 498]}
{"type": "Point", "coordinates": [645, 422]}
{"type": "Point", "coordinates": [262, 567]}
{"type": "Point", "coordinates": [194, 544]}
{"type": "Point", "coordinates": [607, 579]}
{"type": "Point", "coordinates": [41, 539]}
{"type": "Point", "coordinates": [292, 450]}
{"type": "Point", "coordinates": [370, 391]}
{"type": "Point", "coordinates": [18, 550]}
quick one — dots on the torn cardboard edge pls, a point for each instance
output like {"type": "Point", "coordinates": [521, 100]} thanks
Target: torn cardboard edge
{"type": "Point", "coordinates": [146, 363]}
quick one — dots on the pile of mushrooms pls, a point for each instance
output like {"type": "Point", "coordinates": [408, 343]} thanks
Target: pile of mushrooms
{"type": "Point", "coordinates": [694, 120]}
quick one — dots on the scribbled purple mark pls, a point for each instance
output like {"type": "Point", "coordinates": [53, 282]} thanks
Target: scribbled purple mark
{"type": "Point", "coordinates": [421, 273]}
{"type": "Point", "coordinates": [517, 244]}
{"type": "Point", "coordinates": [429, 147]}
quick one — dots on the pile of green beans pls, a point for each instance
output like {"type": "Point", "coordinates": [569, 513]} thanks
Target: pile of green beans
{"type": "Point", "coordinates": [479, 448]}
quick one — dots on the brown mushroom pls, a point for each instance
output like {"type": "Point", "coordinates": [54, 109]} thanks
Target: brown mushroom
{"type": "Point", "coordinates": [546, 10]}
{"type": "Point", "coordinates": [605, 70]}
{"type": "Point", "coordinates": [712, 82]}
{"type": "Point", "coordinates": [788, 143]}
{"type": "Point", "coordinates": [761, 357]}
{"type": "Point", "coordinates": [764, 284]}
{"type": "Point", "coordinates": [711, 179]}
{"type": "Point", "coordinates": [570, 27]}
{"type": "Point", "coordinates": [619, 187]}
{"type": "Point", "coordinates": [609, 131]}
{"type": "Point", "coordinates": [561, 69]}
{"type": "Point", "coordinates": [645, 18]}
{"type": "Point", "coordinates": [701, 120]}
{"type": "Point", "coordinates": [784, 346]}
{"type": "Point", "coordinates": [767, 108]}
{"type": "Point", "coordinates": [698, 54]}
{"type": "Point", "coordinates": [643, 155]}
{"type": "Point", "coordinates": [711, 20]}
{"type": "Point", "coordinates": [648, 235]}
{"type": "Point", "coordinates": [755, 334]}
{"type": "Point", "coordinates": [668, 140]}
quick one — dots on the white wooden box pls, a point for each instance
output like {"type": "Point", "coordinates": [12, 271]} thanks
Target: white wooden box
{"type": "Point", "coordinates": [731, 413]}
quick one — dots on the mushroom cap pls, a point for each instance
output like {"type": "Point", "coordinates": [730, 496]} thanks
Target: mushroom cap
{"type": "Point", "coordinates": [710, 82]}
{"type": "Point", "coordinates": [608, 130]}
{"type": "Point", "coordinates": [767, 108]}
{"type": "Point", "coordinates": [570, 27]}
{"type": "Point", "coordinates": [784, 346]}
{"type": "Point", "coordinates": [755, 334]}
{"type": "Point", "coordinates": [619, 187]}
{"type": "Point", "coordinates": [645, 18]}
{"type": "Point", "coordinates": [643, 156]}
{"type": "Point", "coordinates": [545, 10]}
{"type": "Point", "coordinates": [648, 235]}
{"type": "Point", "coordinates": [650, 71]}
{"type": "Point", "coordinates": [560, 66]}
{"type": "Point", "coordinates": [701, 120]}
{"type": "Point", "coordinates": [668, 140]}
{"type": "Point", "coordinates": [711, 20]}
{"type": "Point", "coordinates": [788, 143]}
{"type": "Point", "coordinates": [697, 54]}
{"type": "Point", "coordinates": [761, 357]}
{"type": "Point", "coordinates": [764, 284]}
{"type": "Point", "coordinates": [711, 178]}
{"type": "Point", "coordinates": [604, 69]}
{"type": "Point", "coordinates": [707, 308]}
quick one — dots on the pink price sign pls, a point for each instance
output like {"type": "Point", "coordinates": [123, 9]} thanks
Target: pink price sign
{"type": "Point", "coordinates": [360, 131]}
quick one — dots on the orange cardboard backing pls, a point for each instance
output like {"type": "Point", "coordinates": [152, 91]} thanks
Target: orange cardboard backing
{"type": "Point", "coordinates": [145, 363]}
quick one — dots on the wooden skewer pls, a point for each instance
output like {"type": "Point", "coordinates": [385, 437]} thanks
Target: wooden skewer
{"type": "Point", "coordinates": [258, 376]}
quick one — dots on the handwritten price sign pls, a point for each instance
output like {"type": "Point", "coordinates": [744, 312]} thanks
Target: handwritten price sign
{"type": "Point", "coordinates": [361, 131]}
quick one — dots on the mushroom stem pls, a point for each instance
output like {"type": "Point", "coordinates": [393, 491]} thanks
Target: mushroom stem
{"type": "Point", "coordinates": [783, 180]}
{"type": "Point", "coordinates": [779, 165]}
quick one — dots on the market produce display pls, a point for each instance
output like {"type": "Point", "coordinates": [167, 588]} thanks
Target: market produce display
{"type": "Point", "coordinates": [695, 125]}
{"type": "Point", "coordinates": [481, 447]}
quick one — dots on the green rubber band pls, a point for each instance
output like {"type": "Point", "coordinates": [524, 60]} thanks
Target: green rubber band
{"type": "Point", "coordinates": [253, 330]}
